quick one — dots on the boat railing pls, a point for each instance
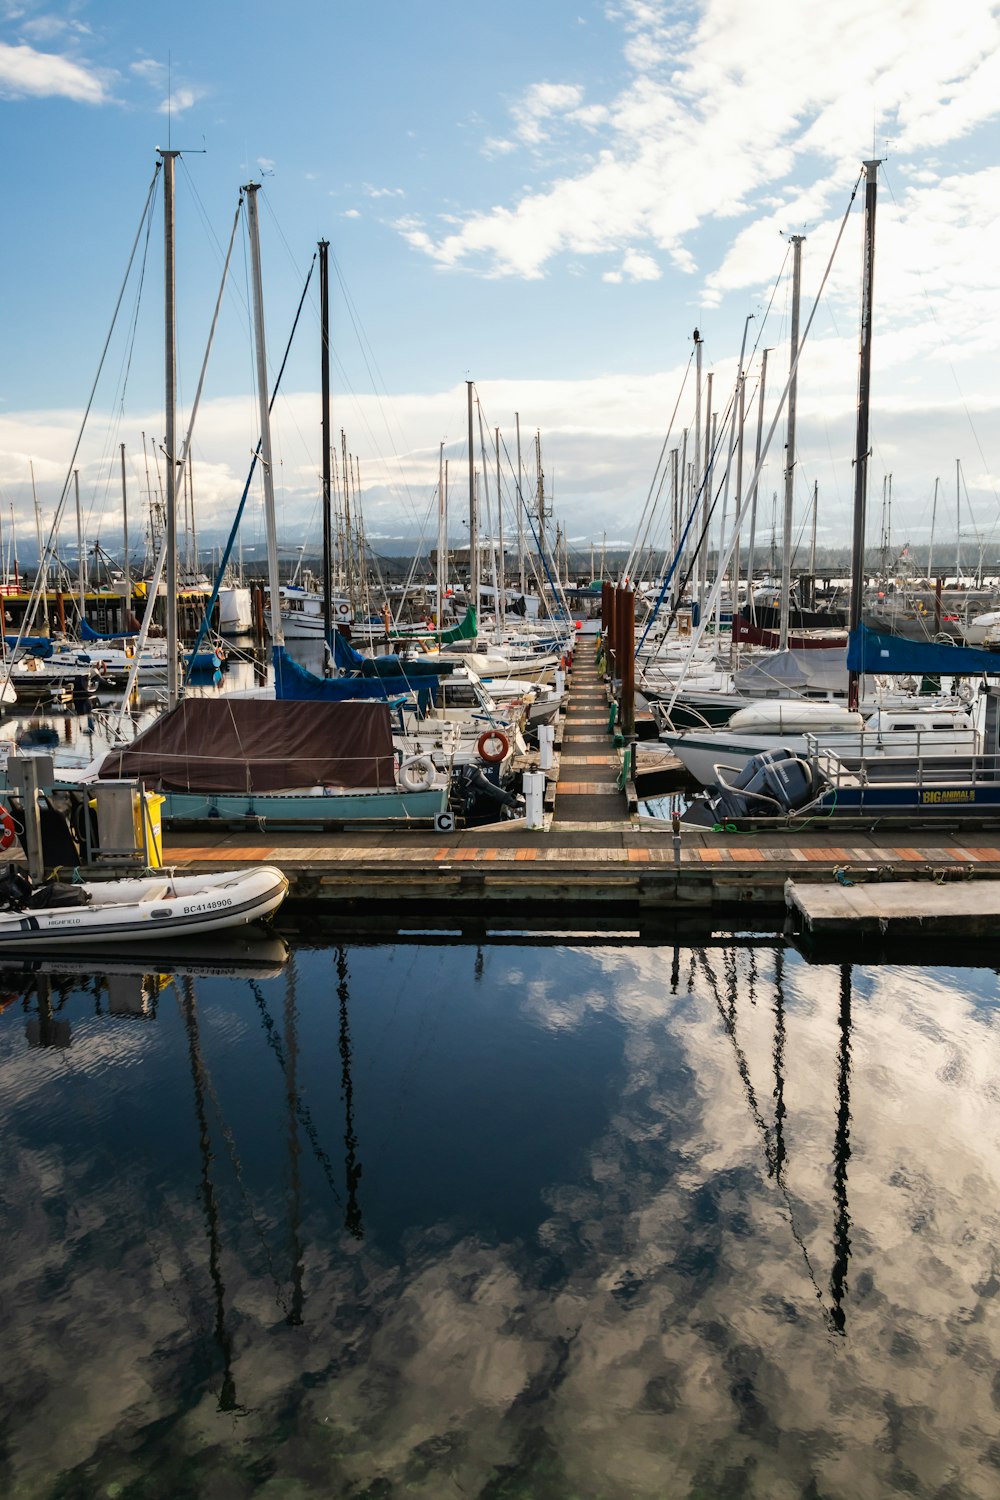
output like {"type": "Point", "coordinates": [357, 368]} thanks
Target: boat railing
{"type": "Point", "coordinates": [922, 765]}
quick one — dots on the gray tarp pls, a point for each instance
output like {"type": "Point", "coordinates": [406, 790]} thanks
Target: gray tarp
{"type": "Point", "coordinates": [794, 672]}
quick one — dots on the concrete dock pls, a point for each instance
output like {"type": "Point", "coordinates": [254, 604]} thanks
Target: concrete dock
{"type": "Point", "coordinates": [593, 857]}
{"type": "Point", "coordinates": [893, 909]}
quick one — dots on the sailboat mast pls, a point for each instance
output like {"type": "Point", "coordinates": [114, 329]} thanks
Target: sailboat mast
{"type": "Point", "coordinates": [501, 571]}
{"type": "Point", "coordinates": [81, 578]}
{"type": "Point", "coordinates": [442, 541]}
{"type": "Point", "coordinates": [520, 509]}
{"type": "Point", "coordinates": [786, 535]}
{"type": "Point", "coordinates": [739, 488]}
{"type": "Point", "coordinates": [697, 451]}
{"type": "Point", "coordinates": [125, 569]}
{"type": "Point", "coordinates": [42, 556]}
{"type": "Point", "coordinates": [324, 319]}
{"type": "Point", "coordinates": [270, 524]}
{"type": "Point", "coordinates": [473, 528]}
{"type": "Point", "coordinates": [930, 554]}
{"type": "Point", "coordinates": [861, 440]}
{"type": "Point", "coordinates": [170, 404]}
{"type": "Point", "coordinates": [958, 522]}
{"type": "Point", "coordinates": [756, 484]}
{"type": "Point", "coordinates": [702, 481]}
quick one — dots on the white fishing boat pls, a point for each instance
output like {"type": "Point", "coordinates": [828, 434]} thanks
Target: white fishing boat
{"type": "Point", "coordinates": [302, 612]}
{"type": "Point", "coordinates": [136, 908]}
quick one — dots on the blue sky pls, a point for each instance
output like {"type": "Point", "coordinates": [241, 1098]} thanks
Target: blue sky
{"type": "Point", "coordinates": [546, 200]}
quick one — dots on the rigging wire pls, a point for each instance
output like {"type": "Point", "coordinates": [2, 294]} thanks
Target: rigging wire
{"type": "Point", "coordinates": [709, 604]}
{"type": "Point", "coordinates": [38, 587]}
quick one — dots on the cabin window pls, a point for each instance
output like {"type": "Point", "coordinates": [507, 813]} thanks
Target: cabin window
{"type": "Point", "coordinates": [457, 695]}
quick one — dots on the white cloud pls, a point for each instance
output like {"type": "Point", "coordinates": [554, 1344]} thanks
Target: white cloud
{"type": "Point", "coordinates": [351, 213]}
{"type": "Point", "coordinates": [179, 100]}
{"type": "Point", "coordinates": [46, 28]}
{"type": "Point", "coordinates": [25, 73]}
{"type": "Point", "coordinates": [383, 192]}
{"type": "Point", "coordinates": [496, 146]}
{"type": "Point", "coordinates": [601, 438]}
{"type": "Point", "coordinates": [177, 97]}
{"type": "Point", "coordinates": [639, 267]}
{"type": "Point", "coordinates": [722, 105]}
{"type": "Point", "coordinates": [540, 104]}
{"type": "Point", "coordinates": [635, 266]}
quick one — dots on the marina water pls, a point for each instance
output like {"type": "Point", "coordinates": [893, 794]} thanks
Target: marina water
{"type": "Point", "coordinates": [542, 1215]}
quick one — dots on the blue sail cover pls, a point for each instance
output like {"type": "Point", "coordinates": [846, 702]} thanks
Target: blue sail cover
{"type": "Point", "coordinates": [38, 645]}
{"type": "Point", "coordinates": [293, 681]}
{"type": "Point", "coordinates": [344, 654]}
{"type": "Point", "coordinates": [395, 666]}
{"type": "Point", "coordinates": [88, 633]}
{"type": "Point", "coordinates": [874, 654]}
{"type": "Point", "coordinates": [347, 659]}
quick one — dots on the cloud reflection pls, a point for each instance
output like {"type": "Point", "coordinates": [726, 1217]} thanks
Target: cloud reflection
{"type": "Point", "coordinates": [772, 1272]}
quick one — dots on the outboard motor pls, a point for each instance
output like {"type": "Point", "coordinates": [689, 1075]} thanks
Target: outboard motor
{"type": "Point", "coordinates": [770, 784]}
{"type": "Point", "coordinates": [18, 894]}
{"type": "Point", "coordinates": [476, 793]}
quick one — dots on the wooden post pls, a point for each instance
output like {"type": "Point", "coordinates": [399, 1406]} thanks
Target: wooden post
{"type": "Point", "coordinates": [258, 612]}
{"type": "Point", "coordinates": [628, 663]}
{"type": "Point", "coordinates": [60, 606]}
{"type": "Point", "coordinates": [608, 619]}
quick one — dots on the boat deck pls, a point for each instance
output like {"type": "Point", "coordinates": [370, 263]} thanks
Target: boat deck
{"type": "Point", "coordinates": [593, 855]}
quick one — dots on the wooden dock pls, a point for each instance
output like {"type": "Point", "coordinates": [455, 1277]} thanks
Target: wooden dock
{"type": "Point", "coordinates": [593, 857]}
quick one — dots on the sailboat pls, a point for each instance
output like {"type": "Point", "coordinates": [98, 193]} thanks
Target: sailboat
{"type": "Point", "coordinates": [905, 788]}
{"type": "Point", "coordinates": [278, 760]}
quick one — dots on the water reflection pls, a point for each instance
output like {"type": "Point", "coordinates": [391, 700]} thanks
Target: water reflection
{"type": "Point", "coordinates": [842, 1152]}
{"type": "Point", "coordinates": [210, 1204]}
{"type": "Point", "coordinates": [633, 1221]}
{"type": "Point", "coordinates": [353, 1219]}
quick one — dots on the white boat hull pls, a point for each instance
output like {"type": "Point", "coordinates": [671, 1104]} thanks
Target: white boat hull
{"type": "Point", "coordinates": [147, 909]}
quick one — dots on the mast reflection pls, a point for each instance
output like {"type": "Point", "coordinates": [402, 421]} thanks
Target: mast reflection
{"type": "Point", "coordinates": [775, 1150]}
{"type": "Point", "coordinates": [841, 1156]}
{"type": "Point", "coordinates": [210, 1204]}
{"type": "Point", "coordinates": [779, 1061]}
{"type": "Point", "coordinates": [352, 1167]}
{"type": "Point", "coordinates": [294, 1315]}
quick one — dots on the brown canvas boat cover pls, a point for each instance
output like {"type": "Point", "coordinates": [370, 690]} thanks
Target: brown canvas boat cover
{"type": "Point", "coordinates": [260, 745]}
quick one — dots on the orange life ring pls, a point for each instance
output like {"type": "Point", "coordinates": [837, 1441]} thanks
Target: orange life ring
{"type": "Point", "coordinates": [485, 743]}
